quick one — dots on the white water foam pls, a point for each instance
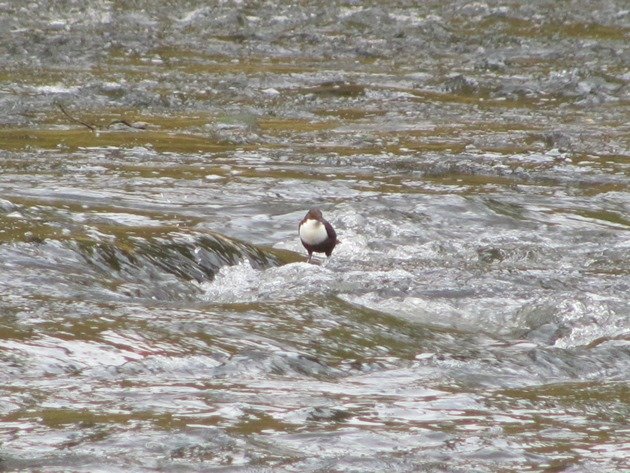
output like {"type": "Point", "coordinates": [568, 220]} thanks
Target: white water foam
{"type": "Point", "coordinates": [242, 283]}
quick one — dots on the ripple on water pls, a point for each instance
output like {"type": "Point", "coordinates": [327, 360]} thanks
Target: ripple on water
{"type": "Point", "coordinates": [571, 321]}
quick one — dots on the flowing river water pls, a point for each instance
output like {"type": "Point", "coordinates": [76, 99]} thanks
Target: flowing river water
{"type": "Point", "coordinates": [156, 309]}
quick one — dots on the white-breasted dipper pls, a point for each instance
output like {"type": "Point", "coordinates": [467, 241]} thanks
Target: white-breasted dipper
{"type": "Point", "coordinates": [317, 235]}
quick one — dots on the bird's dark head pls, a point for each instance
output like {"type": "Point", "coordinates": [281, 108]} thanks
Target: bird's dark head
{"type": "Point", "coordinates": [314, 214]}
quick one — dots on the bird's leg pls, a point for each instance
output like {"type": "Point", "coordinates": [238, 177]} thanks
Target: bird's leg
{"type": "Point", "coordinates": [310, 255]}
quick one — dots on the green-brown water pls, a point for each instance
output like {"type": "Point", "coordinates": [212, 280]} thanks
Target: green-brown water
{"type": "Point", "coordinates": [156, 313]}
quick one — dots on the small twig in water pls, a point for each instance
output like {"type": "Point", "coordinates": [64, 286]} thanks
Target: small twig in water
{"type": "Point", "coordinates": [76, 120]}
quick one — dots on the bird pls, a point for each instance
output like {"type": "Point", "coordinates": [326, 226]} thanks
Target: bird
{"type": "Point", "coordinates": [316, 234]}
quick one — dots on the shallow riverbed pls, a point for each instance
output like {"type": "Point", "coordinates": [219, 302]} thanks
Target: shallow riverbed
{"type": "Point", "coordinates": [156, 310]}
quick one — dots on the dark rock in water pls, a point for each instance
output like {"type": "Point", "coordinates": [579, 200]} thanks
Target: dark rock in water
{"type": "Point", "coordinates": [461, 85]}
{"type": "Point", "coordinates": [369, 19]}
{"type": "Point", "coordinates": [328, 414]}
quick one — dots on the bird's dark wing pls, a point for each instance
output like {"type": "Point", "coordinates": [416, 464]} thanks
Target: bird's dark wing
{"type": "Point", "coordinates": [330, 231]}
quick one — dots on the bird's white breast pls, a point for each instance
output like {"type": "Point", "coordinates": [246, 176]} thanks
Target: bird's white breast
{"type": "Point", "coordinates": [313, 232]}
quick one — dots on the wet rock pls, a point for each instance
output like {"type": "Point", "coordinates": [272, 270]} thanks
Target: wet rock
{"type": "Point", "coordinates": [461, 85]}
{"type": "Point", "coordinates": [328, 414]}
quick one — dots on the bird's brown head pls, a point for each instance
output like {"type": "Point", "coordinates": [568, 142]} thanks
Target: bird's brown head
{"type": "Point", "coordinates": [314, 214]}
